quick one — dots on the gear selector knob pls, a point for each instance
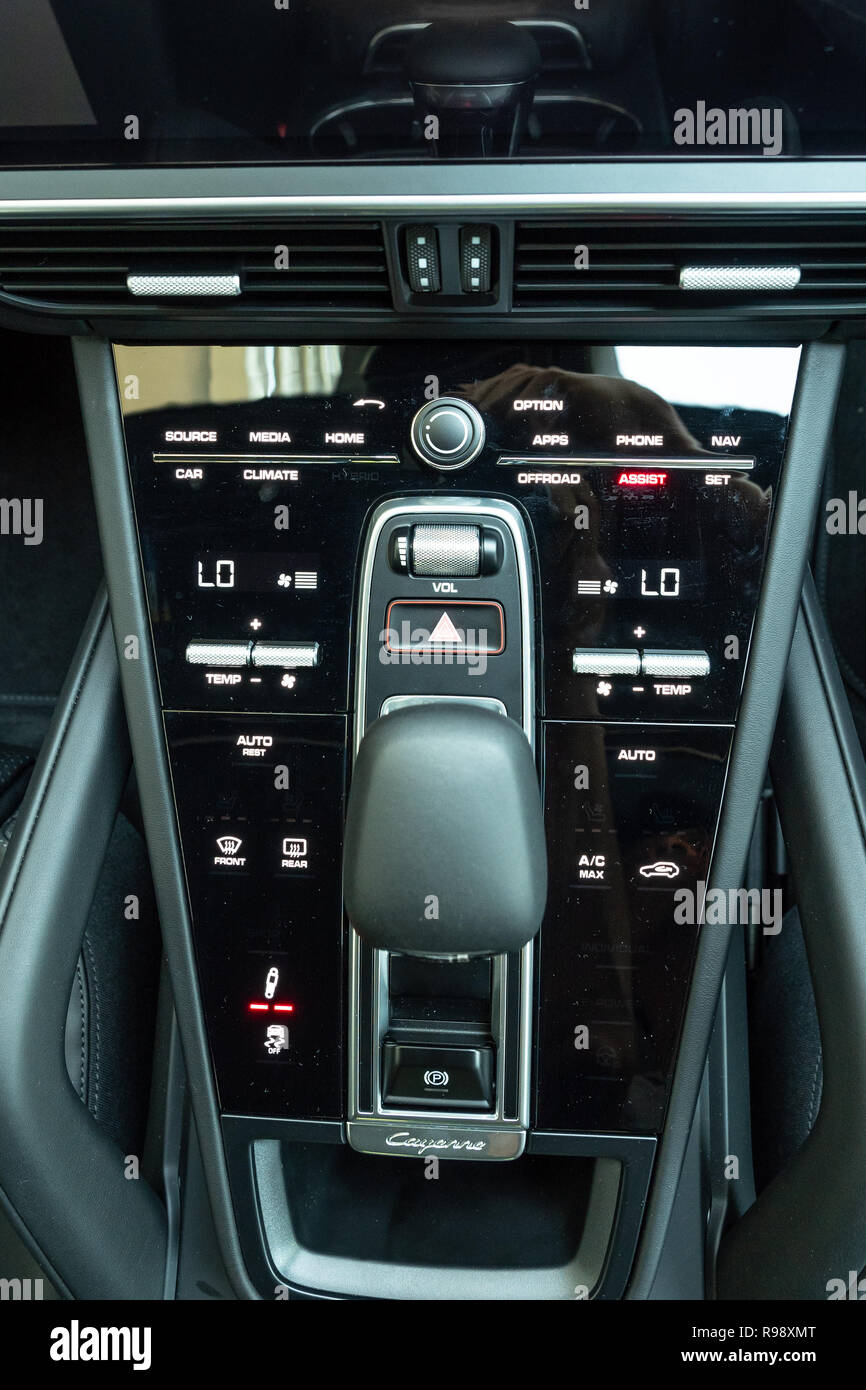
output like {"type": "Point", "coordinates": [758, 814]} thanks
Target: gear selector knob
{"type": "Point", "coordinates": [444, 851]}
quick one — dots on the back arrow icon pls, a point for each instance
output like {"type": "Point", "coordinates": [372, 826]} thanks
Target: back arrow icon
{"type": "Point", "coordinates": [363, 401]}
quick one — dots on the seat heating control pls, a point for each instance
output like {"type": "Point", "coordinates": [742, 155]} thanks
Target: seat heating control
{"type": "Point", "coordinates": [476, 259]}
{"type": "Point", "coordinates": [419, 1077]}
{"type": "Point", "coordinates": [445, 552]}
{"type": "Point", "coordinates": [448, 433]}
{"type": "Point", "coordinates": [422, 259]}
{"type": "Point", "coordinates": [287, 655]}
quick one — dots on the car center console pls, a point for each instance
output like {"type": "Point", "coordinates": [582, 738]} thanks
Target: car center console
{"type": "Point", "coordinates": [566, 537]}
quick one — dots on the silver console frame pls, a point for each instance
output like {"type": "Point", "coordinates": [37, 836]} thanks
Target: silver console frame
{"type": "Point", "coordinates": [368, 1131]}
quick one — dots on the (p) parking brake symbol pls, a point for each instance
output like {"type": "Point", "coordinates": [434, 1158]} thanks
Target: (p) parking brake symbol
{"type": "Point", "coordinates": [436, 1078]}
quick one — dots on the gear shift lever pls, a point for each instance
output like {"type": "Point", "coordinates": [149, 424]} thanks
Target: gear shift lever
{"type": "Point", "coordinates": [477, 79]}
{"type": "Point", "coordinates": [444, 850]}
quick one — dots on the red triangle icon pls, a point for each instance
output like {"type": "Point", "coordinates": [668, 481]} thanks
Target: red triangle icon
{"type": "Point", "coordinates": [445, 633]}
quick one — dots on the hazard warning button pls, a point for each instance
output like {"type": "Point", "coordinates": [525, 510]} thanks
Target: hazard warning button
{"type": "Point", "coordinates": [428, 625]}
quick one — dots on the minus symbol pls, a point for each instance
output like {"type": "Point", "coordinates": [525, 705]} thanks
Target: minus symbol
{"type": "Point", "coordinates": [639, 688]}
{"type": "Point", "coordinates": [255, 680]}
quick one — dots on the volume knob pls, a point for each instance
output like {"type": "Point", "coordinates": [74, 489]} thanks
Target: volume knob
{"type": "Point", "coordinates": [448, 433]}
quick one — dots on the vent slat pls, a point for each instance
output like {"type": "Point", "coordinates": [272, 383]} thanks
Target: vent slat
{"type": "Point", "coordinates": [597, 267]}
{"type": "Point", "coordinates": [77, 266]}
{"type": "Point", "coordinates": [565, 287]}
{"type": "Point", "coordinates": [634, 265]}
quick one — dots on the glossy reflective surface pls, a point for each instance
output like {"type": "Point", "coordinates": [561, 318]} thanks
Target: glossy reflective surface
{"type": "Point", "coordinates": [328, 80]}
{"type": "Point", "coordinates": [631, 818]}
{"type": "Point", "coordinates": [650, 515]}
{"type": "Point", "coordinates": [260, 805]}
{"type": "Point", "coordinates": [646, 480]}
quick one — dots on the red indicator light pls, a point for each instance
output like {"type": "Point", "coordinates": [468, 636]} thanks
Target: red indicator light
{"type": "Point", "coordinates": [258, 1008]}
{"type": "Point", "coordinates": [642, 479]}
{"type": "Point", "coordinates": [284, 1008]}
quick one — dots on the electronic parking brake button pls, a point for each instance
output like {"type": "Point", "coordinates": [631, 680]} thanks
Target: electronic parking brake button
{"type": "Point", "coordinates": [437, 1078]}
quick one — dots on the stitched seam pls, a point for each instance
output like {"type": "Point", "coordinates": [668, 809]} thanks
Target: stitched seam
{"type": "Point", "coordinates": [814, 1087]}
{"type": "Point", "coordinates": [95, 1107]}
{"type": "Point", "coordinates": [79, 975]}
{"type": "Point", "coordinates": [20, 699]}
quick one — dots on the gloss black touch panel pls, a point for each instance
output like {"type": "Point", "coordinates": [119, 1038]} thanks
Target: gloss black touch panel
{"type": "Point", "coordinates": [631, 814]}
{"type": "Point", "coordinates": [250, 551]}
{"type": "Point", "coordinates": [668, 565]}
{"type": "Point", "coordinates": [260, 806]}
{"type": "Point", "coordinates": [646, 479]}
{"type": "Point", "coordinates": [646, 476]}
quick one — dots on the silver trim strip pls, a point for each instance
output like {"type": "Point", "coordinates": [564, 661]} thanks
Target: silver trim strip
{"type": "Point", "coordinates": [395, 702]}
{"type": "Point", "coordinates": [708, 463]}
{"type": "Point", "coordinates": [465, 507]}
{"type": "Point", "coordinates": [380, 1119]}
{"type": "Point", "coordinates": [739, 277]}
{"type": "Point", "coordinates": [221, 456]}
{"type": "Point", "coordinates": [418, 1139]}
{"type": "Point", "coordinates": [170, 286]}
{"type": "Point", "coordinates": [614, 200]}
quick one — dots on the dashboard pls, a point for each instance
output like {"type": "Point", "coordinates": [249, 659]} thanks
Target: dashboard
{"type": "Point", "coordinates": [457, 380]}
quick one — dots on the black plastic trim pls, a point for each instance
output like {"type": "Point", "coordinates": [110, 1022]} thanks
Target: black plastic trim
{"type": "Point", "coordinates": [98, 1234]}
{"type": "Point", "coordinates": [788, 1245]}
{"type": "Point", "coordinates": [114, 508]}
{"type": "Point", "coordinates": [790, 542]}
{"type": "Point", "coordinates": [636, 1154]}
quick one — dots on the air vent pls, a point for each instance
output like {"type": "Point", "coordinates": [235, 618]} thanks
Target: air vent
{"type": "Point", "coordinates": [82, 267]}
{"type": "Point", "coordinates": [675, 267]}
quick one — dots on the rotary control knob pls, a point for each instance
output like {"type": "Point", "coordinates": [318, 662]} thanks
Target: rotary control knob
{"type": "Point", "coordinates": [448, 433]}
